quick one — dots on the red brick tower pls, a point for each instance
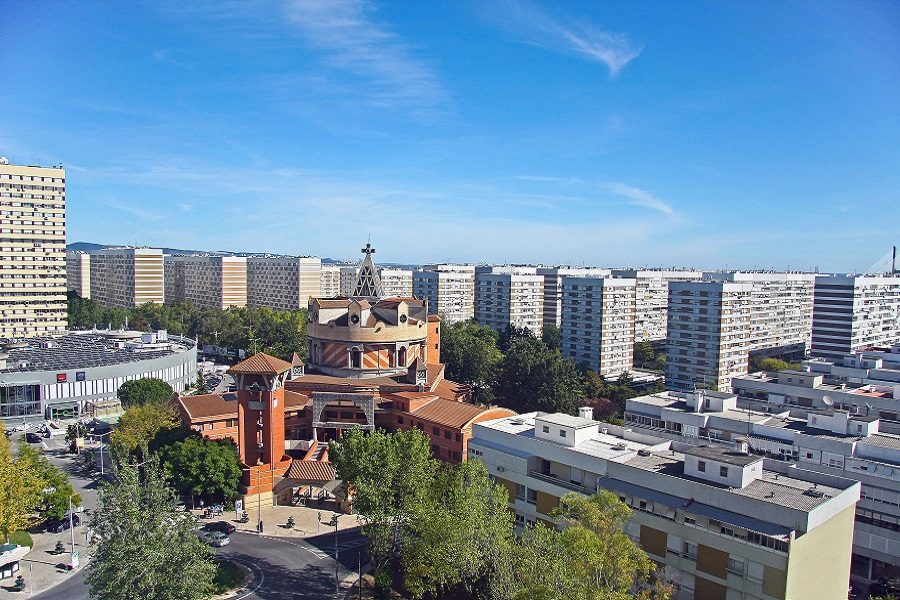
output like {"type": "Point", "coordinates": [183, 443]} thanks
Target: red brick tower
{"type": "Point", "coordinates": [260, 389]}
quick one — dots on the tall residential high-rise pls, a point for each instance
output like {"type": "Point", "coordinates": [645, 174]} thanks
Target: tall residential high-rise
{"type": "Point", "coordinates": [127, 276]}
{"type": "Point", "coordinates": [449, 288]}
{"type": "Point", "coordinates": [283, 282]}
{"type": "Point", "coordinates": [331, 281]}
{"type": "Point", "coordinates": [651, 308]}
{"type": "Point", "coordinates": [851, 313]}
{"type": "Point", "coordinates": [349, 274]}
{"type": "Point", "coordinates": [708, 334]}
{"type": "Point", "coordinates": [215, 281]}
{"type": "Point", "coordinates": [397, 283]}
{"type": "Point", "coordinates": [781, 310]}
{"type": "Point", "coordinates": [78, 273]}
{"type": "Point", "coordinates": [598, 323]}
{"type": "Point", "coordinates": [32, 250]}
{"type": "Point", "coordinates": [509, 296]}
{"type": "Point", "coordinates": [553, 291]}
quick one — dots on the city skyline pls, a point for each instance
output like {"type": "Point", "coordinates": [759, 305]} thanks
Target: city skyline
{"type": "Point", "coordinates": [514, 132]}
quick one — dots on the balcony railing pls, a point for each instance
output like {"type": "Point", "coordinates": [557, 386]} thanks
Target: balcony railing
{"type": "Point", "coordinates": [575, 487]}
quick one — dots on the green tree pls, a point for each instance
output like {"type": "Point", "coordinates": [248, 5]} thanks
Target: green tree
{"type": "Point", "coordinates": [770, 364]}
{"type": "Point", "coordinates": [471, 356]}
{"type": "Point", "coordinates": [147, 548]}
{"type": "Point", "coordinates": [56, 489]}
{"type": "Point", "coordinates": [534, 377]}
{"type": "Point", "coordinates": [20, 490]}
{"type": "Point", "coordinates": [138, 427]}
{"type": "Point", "coordinates": [643, 354]}
{"type": "Point", "coordinates": [139, 392]}
{"type": "Point", "coordinates": [390, 475]}
{"type": "Point", "coordinates": [457, 532]}
{"type": "Point", "coordinates": [201, 467]}
{"type": "Point", "coordinates": [551, 335]}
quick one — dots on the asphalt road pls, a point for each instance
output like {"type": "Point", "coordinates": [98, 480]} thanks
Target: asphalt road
{"type": "Point", "coordinates": [282, 568]}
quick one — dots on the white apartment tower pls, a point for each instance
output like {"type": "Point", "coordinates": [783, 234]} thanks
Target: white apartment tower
{"type": "Point", "coordinates": [708, 333]}
{"type": "Point", "coordinates": [78, 273]}
{"type": "Point", "coordinates": [851, 313]}
{"type": "Point", "coordinates": [553, 291]}
{"type": "Point", "coordinates": [331, 281]}
{"type": "Point", "coordinates": [509, 296]}
{"type": "Point", "coordinates": [598, 323]}
{"type": "Point", "coordinates": [283, 282]}
{"type": "Point", "coordinates": [215, 281]}
{"type": "Point", "coordinates": [651, 307]}
{"type": "Point", "coordinates": [449, 288]}
{"type": "Point", "coordinates": [396, 283]}
{"type": "Point", "coordinates": [127, 276]}
{"type": "Point", "coordinates": [32, 250]}
{"type": "Point", "coordinates": [781, 310]}
{"type": "Point", "coordinates": [348, 277]}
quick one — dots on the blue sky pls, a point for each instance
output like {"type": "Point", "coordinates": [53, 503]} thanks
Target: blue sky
{"type": "Point", "coordinates": [738, 134]}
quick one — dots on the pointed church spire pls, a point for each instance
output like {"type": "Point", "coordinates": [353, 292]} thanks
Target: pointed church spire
{"type": "Point", "coordinates": [368, 284]}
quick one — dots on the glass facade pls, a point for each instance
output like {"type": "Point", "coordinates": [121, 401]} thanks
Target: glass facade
{"type": "Point", "coordinates": [20, 401]}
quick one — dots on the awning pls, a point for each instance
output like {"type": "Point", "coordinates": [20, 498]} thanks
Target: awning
{"type": "Point", "coordinates": [617, 485]}
{"type": "Point", "coordinates": [738, 520]}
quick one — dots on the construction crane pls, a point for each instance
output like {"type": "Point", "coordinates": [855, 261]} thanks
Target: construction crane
{"type": "Point", "coordinates": [885, 264]}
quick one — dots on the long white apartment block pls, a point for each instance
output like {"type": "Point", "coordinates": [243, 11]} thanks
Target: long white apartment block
{"type": "Point", "coordinates": [506, 295]}
{"type": "Point", "coordinates": [127, 276]}
{"type": "Point", "coordinates": [708, 333]}
{"type": "Point", "coordinates": [724, 523]}
{"type": "Point", "coordinates": [283, 282]}
{"type": "Point", "coordinates": [598, 323]}
{"type": "Point", "coordinates": [651, 306]}
{"type": "Point", "coordinates": [32, 250]}
{"type": "Point", "coordinates": [78, 273]}
{"type": "Point", "coordinates": [214, 281]}
{"type": "Point", "coordinates": [553, 289]}
{"type": "Point", "coordinates": [834, 442]}
{"type": "Point", "coordinates": [331, 281]}
{"type": "Point", "coordinates": [396, 283]}
{"type": "Point", "coordinates": [781, 309]}
{"type": "Point", "coordinates": [851, 313]}
{"type": "Point", "coordinates": [449, 289]}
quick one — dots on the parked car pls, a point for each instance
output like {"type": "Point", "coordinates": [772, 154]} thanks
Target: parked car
{"type": "Point", "coordinates": [32, 437]}
{"type": "Point", "coordinates": [223, 526]}
{"type": "Point", "coordinates": [60, 525]}
{"type": "Point", "coordinates": [214, 538]}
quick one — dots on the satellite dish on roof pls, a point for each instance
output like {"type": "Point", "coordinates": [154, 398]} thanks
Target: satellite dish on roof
{"type": "Point", "coordinates": [827, 401]}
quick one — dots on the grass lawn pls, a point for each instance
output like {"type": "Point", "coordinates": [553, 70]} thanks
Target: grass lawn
{"type": "Point", "coordinates": [21, 538]}
{"type": "Point", "coordinates": [229, 576]}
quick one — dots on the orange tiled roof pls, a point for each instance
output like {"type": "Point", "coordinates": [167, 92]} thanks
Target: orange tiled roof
{"type": "Point", "coordinates": [205, 406]}
{"type": "Point", "coordinates": [433, 318]}
{"type": "Point", "coordinates": [296, 361]}
{"type": "Point", "coordinates": [448, 412]}
{"type": "Point", "coordinates": [313, 471]}
{"type": "Point", "coordinates": [260, 364]}
{"type": "Point", "coordinates": [295, 399]}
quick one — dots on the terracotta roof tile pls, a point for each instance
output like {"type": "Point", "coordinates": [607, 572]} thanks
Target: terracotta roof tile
{"type": "Point", "coordinates": [296, 361]}
{"type": "Point", "coordinates": [295, 399]}
{"type": "Point", "coordinates": [312, 471]}
{"type": "Point", "coordinates": [260, 364]}
{"type": "Point", "coordinates": [448, 412]}
{"type": "Point", "coordinates": [434, 318]}
{"type": "Point", "coordinates": [205, 406]}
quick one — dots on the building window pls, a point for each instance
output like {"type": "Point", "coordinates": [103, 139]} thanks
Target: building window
{"type": "Point", "coordinates": [355, 359]}
{"type": "Point", "coordinates": [562, 433]}
{"type": "Point", "coordinates": [531, 496]}
{"type": "Point", "coordinates": [690, 550]}
{"type": "Point", "coordinates": [436, 431]}
{"type": "Point", "coordinates": [399, 420]}
{"type": "Point", "coordinates": [401, 357]}
{"type": "Point", "coordinates": [520, 491]}
{"type": "Point", "coordinates": [546, 429]}
{"type": "Point", "coordinates": [701, 466]}
{"type": "Point", "coordinates": [723, 471]}
{"type": "Point", "coordinates": [735, 565]}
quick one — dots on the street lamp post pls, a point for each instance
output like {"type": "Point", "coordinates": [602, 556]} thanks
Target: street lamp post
{"type": "Point", "coordinates": [334, 521]}
{"type": "Point", "coordinates": [258, 502]}
{"type": "Point", "coordinates": [74, 559]}
{"type": "Point", "coordinates": [101, 436]}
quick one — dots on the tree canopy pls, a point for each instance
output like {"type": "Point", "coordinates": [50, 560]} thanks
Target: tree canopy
{"type": "Point", "coordinates": [138, 429]}
{"type": "Point", "coordinates": [139, 392]}
{"type": "Point", "coordinates": [198, 466]}
{"type": "Point", "coordinates": [21, 489]}
{"type": "Point", "coordinates": [535, 377]}
{"type": "Point", "coordinates": [146, 547]}
{"type": "Point", "coordinates": [56, 488]}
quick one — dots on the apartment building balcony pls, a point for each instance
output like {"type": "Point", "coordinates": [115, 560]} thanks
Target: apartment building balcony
{"type": "Point", "coordinates": [554, 480]}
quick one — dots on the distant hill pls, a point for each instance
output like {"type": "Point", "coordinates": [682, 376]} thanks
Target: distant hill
{"type": "Point", "coordinates": [90, 246]}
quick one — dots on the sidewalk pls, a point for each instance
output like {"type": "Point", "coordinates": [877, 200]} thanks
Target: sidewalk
{"type": "Point", "coordinates": [41, 567]}
{"type": "Point", "coordinates": [306, 521]}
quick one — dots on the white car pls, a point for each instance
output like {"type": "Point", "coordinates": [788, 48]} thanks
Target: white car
{"type": "Point", "coordinates": [214, 538]}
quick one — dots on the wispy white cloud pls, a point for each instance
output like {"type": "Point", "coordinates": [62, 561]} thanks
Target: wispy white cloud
{"type": "Point", "coordinates": [568, 35]}
{"type": "Point", "coordinates": [547, 179]}
{"type": "Point", "coordinates": [639, 197]}
{"type": "Point", "coordinates": [354, 41]}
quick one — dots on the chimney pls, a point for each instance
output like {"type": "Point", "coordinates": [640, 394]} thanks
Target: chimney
{"type": "Point", "coordinates": [586, 412]}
